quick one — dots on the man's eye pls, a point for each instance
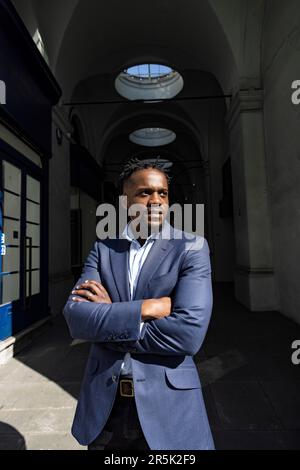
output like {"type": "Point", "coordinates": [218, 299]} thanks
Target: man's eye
{"type": "Point", "coordinates": [146, 193]}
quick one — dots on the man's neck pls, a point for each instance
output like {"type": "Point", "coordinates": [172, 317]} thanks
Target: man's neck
{"type": "Point", "coordinates": [141, 241]}
{"type": "Point", "coordinates": [150, 232]}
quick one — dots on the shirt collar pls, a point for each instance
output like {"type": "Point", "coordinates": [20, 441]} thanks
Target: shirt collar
{"type": "Point", "coordinates": [127, 232]}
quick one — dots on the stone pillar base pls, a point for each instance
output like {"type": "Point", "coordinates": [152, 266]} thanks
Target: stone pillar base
{"type": "Point", "coordinates": [11, 346]}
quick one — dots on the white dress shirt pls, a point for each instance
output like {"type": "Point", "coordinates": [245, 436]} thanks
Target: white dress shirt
{"type": "Point", "coordinates": [136, 259]}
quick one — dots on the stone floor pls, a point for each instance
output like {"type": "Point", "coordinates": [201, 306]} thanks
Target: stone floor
{"type": "Point", "coordinates": [251, 388]}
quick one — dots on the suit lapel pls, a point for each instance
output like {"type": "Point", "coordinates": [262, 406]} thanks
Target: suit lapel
{"type": "Point", "coordinates": [119, 257]}
{"type": "Point", "coordinates": [156, 255]}
{"type": "Point", "coordinates": [119, 267]}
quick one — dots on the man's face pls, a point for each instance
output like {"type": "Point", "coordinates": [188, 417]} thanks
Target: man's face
{"type": "Point", "coordinates": [148, 188]}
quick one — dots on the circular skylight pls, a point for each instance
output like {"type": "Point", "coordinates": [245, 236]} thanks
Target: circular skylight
{"type": "Point", "coordinates": [149, 81]}
{"type": "Point", "coordinates": [148, 71]}
{"type": "Point", "coordinates": [152, 136]}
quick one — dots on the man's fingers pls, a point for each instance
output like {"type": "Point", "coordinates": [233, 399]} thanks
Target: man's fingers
{"type": "Point", "coordinates": [92, 281]}
{"type": "Point", "coordinates": [78, 299]}
{"type": "Point", "coordinates": [99, 286]}
{"type": "Point", "coordinates": [93, 291]}
{"type": "Point", "coordinates": [96, 287]}
{"type": "Point", "coordinates": [93, 286]}
{"type": "Point", "coordinates": [83, 293]}
{"type": "Point", "coordinates": [87, 287]}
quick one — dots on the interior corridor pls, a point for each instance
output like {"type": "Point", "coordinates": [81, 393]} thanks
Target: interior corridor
{"type": "Point", "coordinates": [204, 85]}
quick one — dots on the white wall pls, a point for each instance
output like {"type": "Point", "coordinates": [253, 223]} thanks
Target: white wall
{"type": "Point", "coordinates": [26, 11]}
{"type": "Point", "coordinates": [60, 275]}
{"type": "Point", "coordinates": [222, 228]}
{"type": "Point", "coordinates": [281, 66]}
{"type": "Point", "coordinates": [242, 21]}
{"type": "Point", "coordinates": [88, 206]}
{"type": "Point", "coordinates": [60, 203]}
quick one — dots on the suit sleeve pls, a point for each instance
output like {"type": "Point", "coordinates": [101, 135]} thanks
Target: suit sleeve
{"type": "Point", "coordinates": [183, 331]}
{"type": "Point", "coordinates": [101, 322]}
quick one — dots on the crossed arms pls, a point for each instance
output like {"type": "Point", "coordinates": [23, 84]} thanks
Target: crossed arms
{"type": "Point", "coordinates": [173, 326]}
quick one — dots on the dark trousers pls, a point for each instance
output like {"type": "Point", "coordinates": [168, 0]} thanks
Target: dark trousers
{"type": "Point", "coordinates": [122, 430]}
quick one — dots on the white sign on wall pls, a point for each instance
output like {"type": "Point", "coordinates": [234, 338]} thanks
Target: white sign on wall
{"type": "Point", "coordinates": [3, 246]}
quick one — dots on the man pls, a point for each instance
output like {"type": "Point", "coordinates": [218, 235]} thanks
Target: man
{"type": "Point", "coordinates": [145, 303]}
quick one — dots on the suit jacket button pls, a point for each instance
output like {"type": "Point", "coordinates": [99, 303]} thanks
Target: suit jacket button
{"type": "Point", "coordinates": [114, 378]}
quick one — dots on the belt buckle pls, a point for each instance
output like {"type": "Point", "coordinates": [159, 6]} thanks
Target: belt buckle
{"type": "Point", "coordinates": [123, 382]}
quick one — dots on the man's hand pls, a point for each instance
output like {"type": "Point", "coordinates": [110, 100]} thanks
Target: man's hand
{"type": "Point", "coordinates": [91, 291]}
{"type": "Point", "coordinates": [154, 309]}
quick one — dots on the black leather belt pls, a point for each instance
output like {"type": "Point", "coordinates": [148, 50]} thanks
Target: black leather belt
{"type": "Point", "coordinates": [126, 388]}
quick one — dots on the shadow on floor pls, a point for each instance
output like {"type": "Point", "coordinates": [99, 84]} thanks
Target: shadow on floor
{"type": "Point", "coordinates": [250, 385]}
{"type": "Point", "coordinates": [11, 439]}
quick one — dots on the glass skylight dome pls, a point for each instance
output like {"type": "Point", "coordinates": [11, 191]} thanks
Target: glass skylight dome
{"type": "Point", "coordinates": [149, 81]}
{"type": "Point", "coordinates": [152, 136]}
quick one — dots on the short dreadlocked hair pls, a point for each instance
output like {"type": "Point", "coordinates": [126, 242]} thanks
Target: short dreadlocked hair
{"type": "Point", "coordinates": [135, 164]}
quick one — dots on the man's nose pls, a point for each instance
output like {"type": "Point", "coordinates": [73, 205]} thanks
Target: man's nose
{"type": "Point", "coordinates": [154, 199]}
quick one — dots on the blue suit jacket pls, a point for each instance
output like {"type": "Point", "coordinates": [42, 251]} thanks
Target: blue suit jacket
{"type": "Point", "coordinates": [166, 382]}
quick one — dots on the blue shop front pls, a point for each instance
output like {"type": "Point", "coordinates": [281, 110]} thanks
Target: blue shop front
{"type": "Point", "coordinates": [29, 91]}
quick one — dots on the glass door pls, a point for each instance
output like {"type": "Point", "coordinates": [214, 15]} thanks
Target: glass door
{"type": "Point", "coordinates": [20, 231]}
{"type": "Point", "coordinates": [32, 239]}
{"type": "Point", "coordinates": [10, 226]}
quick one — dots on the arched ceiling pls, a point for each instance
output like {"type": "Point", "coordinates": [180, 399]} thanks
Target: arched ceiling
{"type": "Point", "coordinates": [105, 37]}
{"type": "Point", "coordinates": [51, 17]}
{"type": "Point", "coordinates": [87, 38]}
{"type": "Point", "coordinates": [125, 121]}
{"type": "Point", "coordinates": [89, 42]}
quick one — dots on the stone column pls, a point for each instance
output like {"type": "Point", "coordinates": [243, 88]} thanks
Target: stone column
{"type": "Point", "coordinates": [254, 274]}
{"type": "Point", "coordinates": [60, 274]}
